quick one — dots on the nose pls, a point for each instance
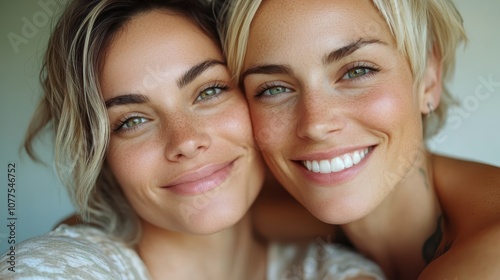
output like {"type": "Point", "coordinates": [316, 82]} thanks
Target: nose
{"type": "Point", "coordinates": [318, 116]}
{"type": "Point", "coordinates": [185, 139]}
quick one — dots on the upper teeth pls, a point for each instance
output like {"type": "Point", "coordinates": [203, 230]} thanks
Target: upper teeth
{"type": "Point", "coordinates": [336, 164]}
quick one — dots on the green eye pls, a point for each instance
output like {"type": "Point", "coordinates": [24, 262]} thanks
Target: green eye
{"type": "Point", "coordinates": [356, 73]}
{"type": "Point", "coordinates": [275, 90]}
{"type": "Point", "coordinates": [133, 122]}
{"type": "Point", "coordinates": [129, 124]}
{"type": "Point", "coordinates": [209, 92]}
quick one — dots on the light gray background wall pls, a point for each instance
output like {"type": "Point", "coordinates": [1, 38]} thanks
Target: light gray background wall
{"type": "Point", "coordinates": [472, 133]}
{"type": "Point", "coordinates": [40, 200]}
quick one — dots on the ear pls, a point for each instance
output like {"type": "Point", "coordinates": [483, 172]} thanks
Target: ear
{"type": "Point", "coordinates": [431, 85]}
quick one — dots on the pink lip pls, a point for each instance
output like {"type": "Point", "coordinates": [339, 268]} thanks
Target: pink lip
{"type": "Point", "coordinates": [201, 180]}
{"type": "Point", "coordinates": [336, 178]}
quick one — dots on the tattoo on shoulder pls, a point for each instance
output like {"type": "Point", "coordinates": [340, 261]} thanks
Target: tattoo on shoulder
{"type": "Point", "coordinates": [432, 243]}
{"type": "Point", "coordinates": [424, 176]}
{"type": "Point", "coordinates": [444, 249]}
{"type": "Point", "coordinates": [431, 249]}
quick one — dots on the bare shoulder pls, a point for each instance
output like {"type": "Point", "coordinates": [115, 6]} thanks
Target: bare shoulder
{"type": "Point", "coordinates": [475, 257]}
{"type": "Point", "coordinates": [452, 171]}
{"type": "Point", "coordinates": [467, 189]}
{"type": "Point", "coordinates": [468, 193]}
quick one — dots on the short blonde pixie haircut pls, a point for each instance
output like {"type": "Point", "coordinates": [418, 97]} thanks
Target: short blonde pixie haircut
{"type": "Point", "coordinates": [419, 27]}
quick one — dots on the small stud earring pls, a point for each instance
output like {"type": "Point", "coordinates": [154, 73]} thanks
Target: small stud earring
{"type": "Point", "coordinates": [431, 109]}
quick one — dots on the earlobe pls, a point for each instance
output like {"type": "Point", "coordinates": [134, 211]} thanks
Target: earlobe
{"type": "Point", "coordinates": [430, 107]}
{"type": "Point", "coordinates": [431, 85]}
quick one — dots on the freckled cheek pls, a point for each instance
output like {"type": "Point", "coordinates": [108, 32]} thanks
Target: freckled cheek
{"type": "Point", "coordinates": [130, 162]}
{"type": "Point", "coordinates": [272, 128]}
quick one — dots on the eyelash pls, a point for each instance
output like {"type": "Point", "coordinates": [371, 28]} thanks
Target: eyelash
{"type": "Point", "coordinates": [372, 70]}
{"type": "Point", "coordinates": [223, 87]}
{"type": "Point", "coordinates": [265, 87]}
{"type": "Point", "coordinates": [119, 128]}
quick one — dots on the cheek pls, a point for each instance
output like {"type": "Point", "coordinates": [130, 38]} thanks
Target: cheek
{"type": "Point", "coordinates": [234, 122]}
{"type": "Point", "coordinates": [131, 162]}
{"type": "Point", "coordinates": [269, 127]}
{"type": "Point", "coordinates": [389, 110]}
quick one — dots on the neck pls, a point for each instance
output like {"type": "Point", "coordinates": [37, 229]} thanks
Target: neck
{"type": "Point", "coordinates": [395, 234]}
{"type": "Point", "coordinates": [227, 254]}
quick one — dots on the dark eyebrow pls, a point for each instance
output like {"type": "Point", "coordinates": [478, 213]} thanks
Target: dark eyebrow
{"type": "Point", "coordinates": [330, 58]}
{"type": "Point", "coordinates": [338, 54]}
{"type": "Point", "coordinates": [196, 70]}
{"type": "Point", "coordinates": [185, 79]}
{"type": "Point", "coordinates": [267, 69]}
{"type": "Point", "coordinates": [126, 99]}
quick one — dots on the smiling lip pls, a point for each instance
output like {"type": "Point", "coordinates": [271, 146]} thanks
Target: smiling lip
{"type": "Point", "coordinates": [201, 180]}
{"type": "Point", "coordinates": [330, 169]}
{"type": "Point", "coordinates": [337, 163]}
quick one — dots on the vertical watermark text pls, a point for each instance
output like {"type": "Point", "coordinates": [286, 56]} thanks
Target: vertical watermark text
{"type": "Point", "coordinates": [11, 216]}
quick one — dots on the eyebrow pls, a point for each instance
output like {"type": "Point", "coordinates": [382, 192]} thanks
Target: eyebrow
{"type": "Point", "coordinates": [338, 54]}
{"type": "Point", "coordinates": [126, 99]}
{"type": "Point", "coordinates": [331, 57]}
{"type": "Point", "coordinates": [185, 79]}
{"type": "Point", "coordinates": [267, 69]}
{"type": "Point", "coordinates": [197, 70]}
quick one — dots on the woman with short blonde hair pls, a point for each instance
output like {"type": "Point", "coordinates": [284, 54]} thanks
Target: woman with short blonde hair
{"type": "Point", "coordinates": [342, 96]}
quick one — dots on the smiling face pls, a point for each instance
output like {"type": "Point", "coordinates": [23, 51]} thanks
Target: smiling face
{"type": "Point", "coordinates": [181, 144]}
{"type": "Point", "coordinates": [333, 104]}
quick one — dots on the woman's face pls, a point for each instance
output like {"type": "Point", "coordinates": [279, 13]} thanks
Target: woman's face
{"type": "Point", "coordinates": [181, 143]}
{"type": "Point", "coordinates": [332, 102]}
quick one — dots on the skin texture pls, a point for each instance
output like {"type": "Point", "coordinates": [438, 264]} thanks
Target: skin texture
{"type": "Point", "coordinates": [170, 130]}
{"type": "Point", "coordinates": [322, 109]}
{"type": "Point", "coordinates": [182, 149]}
{"type": "Point", "coordinates": [320, 85]}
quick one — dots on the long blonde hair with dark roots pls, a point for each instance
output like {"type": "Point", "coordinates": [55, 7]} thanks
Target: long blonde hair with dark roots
{"type": "Point", "coordinates": [73, 107]}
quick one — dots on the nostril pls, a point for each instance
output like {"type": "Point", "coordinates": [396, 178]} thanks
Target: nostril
{"type": "Point", "coordinates": [189, 147]}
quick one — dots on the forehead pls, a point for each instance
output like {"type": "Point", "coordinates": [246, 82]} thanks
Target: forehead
{"type": "Point", "coordinates": [155, 42]}
{"type": "Point", "coordinates": [161, 33]}
{"type": "Point", "coordinates": [284, 25]}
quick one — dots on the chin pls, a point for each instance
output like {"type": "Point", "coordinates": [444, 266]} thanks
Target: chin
{"type": "Point", "coordinates": [338, 211]}
{"type": "Point", "coordinates": [214, 219]}
{"type": "Point", "coordinates": [335, 217]}
{"type": "Point", "coordinates": [211, 226]}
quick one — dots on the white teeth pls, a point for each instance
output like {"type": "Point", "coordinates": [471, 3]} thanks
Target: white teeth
{"type": "Point", "coordinates": [356, 157]}
{"type": "Point", "coordinates": [315, 166]}
{"type": "Point", "coordinates": [347, 161]}
{"type": "Point", "coordinates": [309, 165]}
{"type": "Point", "coordinates": [324, 166]}
{"type": "Point", "coordinates": [336, 164]}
